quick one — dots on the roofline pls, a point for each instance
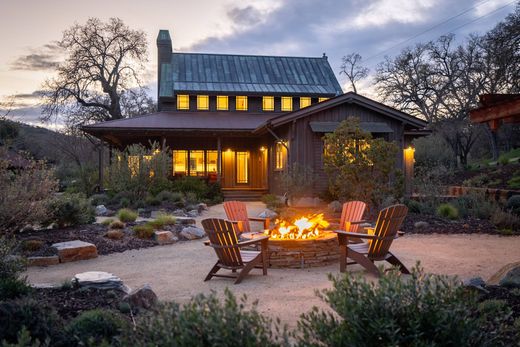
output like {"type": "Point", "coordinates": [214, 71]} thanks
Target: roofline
{"type": "Point", "coordinates": [101, 129]}
{"type": "Point", "coordinates": [251, 55]}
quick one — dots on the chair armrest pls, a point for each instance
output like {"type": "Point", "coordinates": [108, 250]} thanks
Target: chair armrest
{"type": "Point", "coordinates": [257, 219]}
{"type": "Point", "coordinates": [360, 221]}
{"type": "Point", "coordinates": [359, 235]}
{"type": "Point", "coordinates": [253, 241]}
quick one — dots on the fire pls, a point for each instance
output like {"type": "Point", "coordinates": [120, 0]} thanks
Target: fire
{"type": "Point", "coordinates": [308, 227]}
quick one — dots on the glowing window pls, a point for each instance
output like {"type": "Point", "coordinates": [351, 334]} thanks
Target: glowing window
{"type": "Point", "coordinates": [202, 102]}
{"type": "Point", "coordinates": [211, 161]}
{"type": "Point", "coordinates": [323, 99]}
{"type": "Point", "coordinates": [222, 103]}
{"type": "Point", "coordinates": [180, 162]}
{"type": "Point", "coordinates": [268, 103]}
{"type": "Point", "coordinates": [286, 103]}
{"type": "Point", "coordinates": [197, 163]}
{"type": "Point", "coordinates": [242, 160]}
{"type": "Point", "coordinates": [241, 103]}
{"type": "Point", "coordinates": [305, 101]}
{"type": "Point", "coordinates": [183, 102]}
{"type": "Point", "coordinates": [280, 156]}
{"type": "Point", "coordinates": [133, 165]}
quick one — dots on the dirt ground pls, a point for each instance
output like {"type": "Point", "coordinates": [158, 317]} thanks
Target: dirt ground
{"type": "Point", "coordinates": [176, 272]}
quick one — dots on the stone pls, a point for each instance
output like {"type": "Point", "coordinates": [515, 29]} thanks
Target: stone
{"type": "Point", "coordinates": [164, 237]}
{"type": "Point", "coordinates": [192, 233]}
{"type": "Point", "coordinates": [267, 213]}
{"type": "Point", "coordinates": [193, 213]}
{"type": "Point", "coordinates": [502, 273]}
{"type": "Point", "coordinates": [101, 210]}
{"type": "Point", "coordinates": [99, 280]}
{"type": "Point", "coordinates": [511, 279]}
{"type": "Point", "coordinates": [141, 298]}
{"type": "Point", "coordinates": [474, 282]}
{"type": "Point", "coordinates": [157, 213]}
{"type": "Point", "coordinates": [421, 225]}
{"type": "Point", "coordinates": [202, 207]}
{"type": "Point", "coordinates": [43, 261]}
{"type": "Point", "coordinates": [335, 206]}
{"type": "Point", "coordinates": [179, 213]}
{"type": "Point", "coordinates": [75, 250]}
{"type": "Point", "coordinates": [184, 220]}
{"type": "Point", "coordinates": [141, 211]}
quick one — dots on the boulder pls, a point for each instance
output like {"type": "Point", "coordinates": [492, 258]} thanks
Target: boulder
{"type": "Point", "coordinates": [192, 233]}
{"type": "Point", "coordinates": [511, 279]}
{"type": "Point", "coordinates": [184, 220]}
{"type": "Point", "coordinates": [141, 298]}
{"type": "Point", "coordinates": [193, 213]}
{"type": "Point", "coordinates": [164, 237]}
{"type": "Point", "coordinates": [101, 210]}
{"type": "Point", "coordinates": [335, 206]}
{"type": "Point", "coordinates": [179, 213]}
{"type": "Point", "coordinates": [99, 280]}
{"type": "Point", "coordinates": [202, 207]}
{"type": "Point", "coordinates": [421, 225]}
{"type": "Point", "coordinates": [43, 261]}
{"type": "Point", "coordinates": [75, 250]}
{"type": "Point", "coordinates": [476, 283]}
{"type": "Point", "coordinates": [267, 213]}
{"type": "Point", "coordinates": [497, 278]}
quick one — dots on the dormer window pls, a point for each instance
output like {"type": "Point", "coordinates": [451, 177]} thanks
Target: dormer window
{"type": "Point", "coordinates": [286, 103]}
{"type": "Point", "coordinates": [222, 103]}
{"type": "Point", "coordinates": [305, 101]}
{"type": "Point", "coordinates": [323, 99]}
{"type": "Point", "coordinates": [183, 102]}
{"type": "Point", "coordinates": [268, 103]}
{"type": "Point", "coordinates": [241, 103]}
{"type": "Point", "coordinates": [202, 102]}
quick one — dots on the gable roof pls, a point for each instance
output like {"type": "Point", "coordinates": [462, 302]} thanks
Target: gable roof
{"type": "Point", "coordinates": [247, 74]}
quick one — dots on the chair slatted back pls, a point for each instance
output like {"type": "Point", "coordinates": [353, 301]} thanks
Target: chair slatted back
{"type": "Point", "coordinates": [352, 211]}
{"type": "Point", "coordinates": [388, 223]}
{"type": "Point", "coordinates": [223, 239]}
{"type": "Point", "coordinates": [237, 211]}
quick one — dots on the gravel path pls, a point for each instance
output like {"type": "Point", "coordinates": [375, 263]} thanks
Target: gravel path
{"type": "Point", "coordinates": [176, 272]}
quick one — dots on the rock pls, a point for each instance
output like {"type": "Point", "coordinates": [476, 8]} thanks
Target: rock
{"type": "Point", "coordinates": [192, 233]}
{"type": "Point", "coordinates": [202, 207]}
{"type": "Point", "coordinates": [99, 280]}
{"type": "Point", "coordinates": [267, 213]}
{"type": "Point", "coordinates": [184, 220]}
{"type": "Point", "coordinates": [27, 229]}
{"type": "Point", "coordinates": [476, 283]}
{"type": "Point", "coordinates": [141, 211]}
{"type": "Point", "coordinates": [157, 213]}
{"type": "Point", "coordinates": [164, 237]}
{"type": "Point", "coordinates": [43, 261]}
{"type": "Point", "coordinates": [75, 250]}
{"type": "Point", "coordinates": [141, 298]}
{"type": "Point", "coordinates": [335, 206]}
{"type": "Point", "coordinates": [502, 273]}
{"type": "Point", "coordinates": [115, 234]}
{"type": "Point", "coordinates": [101, 210]}
{"type": "Point", "coordinates": [511, 279]}
{"type": "Point", "coordinates": [421, 225]}
{"type": "Point", "coordinates": [193, 213]}
{"type": "Point", "coordinates": [179, 213]}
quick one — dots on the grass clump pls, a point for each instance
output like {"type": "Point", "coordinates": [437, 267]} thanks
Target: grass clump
{"type": "Point", "coordinates": [447, 211]}
{"type": "Point", "coordinates": [32, 245]}
{"type": "Point", "coordinates": [94, 327]}
{"type": "Point", "coordinates": [161, 221]}
{"type": "Point", "coordinates": [107, 221]}
{"type": "Point", "coordinates": [126, 215]}
{"type": "Point", "coordinates": [143, 231]}
{"type": "Point", "coordinates": [117, 224]}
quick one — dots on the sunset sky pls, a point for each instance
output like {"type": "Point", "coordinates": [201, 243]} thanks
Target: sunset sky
{"type": "Point", "coordinates": [373, 28]}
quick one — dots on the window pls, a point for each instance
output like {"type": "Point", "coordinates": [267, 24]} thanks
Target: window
{"type": "Point", "coordinates": [241, 103]}
{"type": "Point", "coordinates": [222, 103]}
{"type": "Point", "coordinates": [197, 163]}
{"type": "Point", "coordinates": [268, 103]}
{"type": "Point", "coordinates": [286, 103]}
{"type": "Point", "coordinates": [242, 160]}
{"type": "Point", "coordinates": [323, 99]}
{"type": "Point", "coordinates": [202, 102]}
{"type": "Point", "coordinates": [180, 162]}
{"type": "Point", "coordinates": [305, 101]}
{"type": "Point", "coordinates": [133, 165]}
{"type": "Point", "coordinates": [183, 102]}
{"type": "Point", "coordinates": [280, 155]}
{"type": "Point", "coordinates": [211, 157]}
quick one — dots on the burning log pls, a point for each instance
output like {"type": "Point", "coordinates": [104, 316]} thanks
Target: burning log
{"type": "Point", "coordinates": [303, 228]}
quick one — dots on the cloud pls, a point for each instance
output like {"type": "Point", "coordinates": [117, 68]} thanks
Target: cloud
{"type": "Point", "coordinates": [247, 16]}
{"type": "Point", "coordinates": [490, 6]}
{"type": "Point", "coordinates": [43, 58]}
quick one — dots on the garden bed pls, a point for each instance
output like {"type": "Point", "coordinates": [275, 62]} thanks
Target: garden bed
{"type": "Point", "coordinates": [429, 224]}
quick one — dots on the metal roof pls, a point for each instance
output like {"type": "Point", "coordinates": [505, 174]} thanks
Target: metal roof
{"type": "Point", "coordinates": [371, 127]}
{"type": "Point", "coordinates": [248, 74]}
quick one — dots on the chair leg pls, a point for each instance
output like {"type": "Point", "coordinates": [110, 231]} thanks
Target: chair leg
{"type": "Point", "coordinates": [212, 272]}
{"type": "Point", "coordinates": [342, 258]}
{"type": "Point", "coordinates": [264, 262]}
{"type": "Point", "coordinates": [249, 266]}
{"type": "Point", "coordinates": [364, 262]}
{"type": "Point", "coordinates": [395, 261]}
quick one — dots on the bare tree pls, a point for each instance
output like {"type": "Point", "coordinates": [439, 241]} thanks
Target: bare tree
{"type": "Point", "coordinates": [101, 72]}
{"type": "Point", "coordinates": [352, 68]}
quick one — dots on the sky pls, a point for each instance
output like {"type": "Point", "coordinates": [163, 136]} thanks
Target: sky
{"type": "Point", "coordinates": [372, 28]}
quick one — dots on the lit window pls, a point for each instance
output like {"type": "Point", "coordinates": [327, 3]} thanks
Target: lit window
{"type": "Point", "coordinates": [211, 157]}
{"type": "Point", "coordinates": [148, 161]}
{"type": "Point", "coordinates": [323, 99]}
{"type": "Point", "coordinates": [280, 155]}
{"type": "Point", "coordinates": [305, 101]}
{"type": "Point", "coordinates": [242, 159]}
{"type": "Point", "coordinates": [286, 103]}
{"type": "Point", "coordinates": [241, 103]}
{"type": "Point", "coordinates": [197, 163]}
{"type": "Point", "coordinates": [202, 102]}
{"type": "Point", "coordinates": [222, 103]}
{"type": "Point", "coordinates": [183, 102]}
{"type": "Point", "coordinates": [268, 103]}
{"type": "Point", "coordinates": [133, 165]}
{"type": "Point", "coordinates": [180, 162]}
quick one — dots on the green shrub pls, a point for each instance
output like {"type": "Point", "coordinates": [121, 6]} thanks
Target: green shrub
{"type": "Point", "coordinates": [99, 199]}
{"type": "Point", "coordinates": [71, 209]}
{"type": "Point", "coordinates": [272, 202]}
{"type": "Point", "coordinates": [414, 206]}
{"type": "Point", "coordinates": [191, 185]}
{"type": "Point", "coordinates": [475, 205]}
{"type": "Point", "coordinates": [12, 288]}
{"type": "Point", "coordinates": [124, 202]}
{"type": "Point", "coordinates": [152, 200]}
{"type": "Point", "coordinates": [107, 221]}
{"type": "Point", "coordinates": [514, 183]}
{"type": "Point", "coordinates": [478, 181]}
{"type": "Point", "coordinates": [206, 321]}
{"type": "Point", "coordinates": [447, 211]}
{"type": "Point", "coordinates": [117, 224]}
{"type": "Point", "coordinates": [506, 220]}
{"type": "Point", "coordinates": [126, 215]}
{"type": "Point", "coordinates": [503, 160]}
{"type": "Point", "coordinates": [95, 326]}
{"type": "Point", "coordinates": [513, 204]}
{"type": "Point", "coordinates": [161, 221]}
{"type": "Point", "coordinates": [11, 266]}
{"type": "Point", "coordinates": [166, 195]}
{"type": "Point", "coordinates": [143, 231]}
{"type": "Point", "coordinates": [422, 310]}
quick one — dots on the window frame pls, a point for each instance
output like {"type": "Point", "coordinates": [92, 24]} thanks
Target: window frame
{"type": "Point", "coordinates": [303, 100]}
{"type": "Point", "coordinates": [280, 156]}
{"type": "Point", "coordinates": [222, 97]}
{"type": "Point", "coordinates": [323, 99]}
{"type": "Point", "coordinates": [183, 102]}
{"type": "Point", "coordinates": [264, 99]}
{"type": "Point", "coordinates": [247, 168]}
{"type": "Point", "coordinates": [244, 99]}
{"type": "Point", "coordinates": [287, 99]}
{"type": "Point", "coordinates": [199, 102]}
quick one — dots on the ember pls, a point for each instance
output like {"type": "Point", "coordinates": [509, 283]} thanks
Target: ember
{"type": "Point", "coordinates": [304, 228]}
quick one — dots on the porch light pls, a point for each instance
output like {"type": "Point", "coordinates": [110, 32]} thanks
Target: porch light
{"type": "Point", "coordinates": [228, 150]}
{"type": "Point", "coordinates": [262, 148]}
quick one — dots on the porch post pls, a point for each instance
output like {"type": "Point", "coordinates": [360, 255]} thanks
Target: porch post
{"type": "Point", "coordinates": [100, 166]}
{"type": "Point", "coordinates": [219, 159]}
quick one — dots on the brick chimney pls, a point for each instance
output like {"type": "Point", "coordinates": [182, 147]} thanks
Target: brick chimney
{"type": "Point", "coordinates": [164, 55]}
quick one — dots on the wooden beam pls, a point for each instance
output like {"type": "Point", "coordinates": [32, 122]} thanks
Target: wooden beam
{"type": "Point", "coordinates": [496, 112]}
{"type": "Point", "coordinates": [219, 159]}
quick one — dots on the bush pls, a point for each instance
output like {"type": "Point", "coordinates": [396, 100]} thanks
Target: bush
{"type": "Point", "coordinates": [214, 194]}
{"type": "Point", "coordinates": [99, 199]}
{"type": "Point", "coordinates": [193, 185]}
{"type": "Point", "coordinates": [447, 211]}
{"type": "Point", "coordinates": [513, 204]}
{"type": "Point", "coordinates": [71, 209]}
{"type": "Point", "coordinates": [12, 288]}
{"type": "Point", "coordinates": [272, 202]}
{"type": "Point", "coordinates": [166, 195]}
{"type": "Point", "coordinates": [117, 224]}
{"type": "Point", "coordinates": [298, 180]}
{"type": "Point", "coordinates": [143, 231]}
{"type": "Point", "coordinates": [115, 234]}
{"type": "Point", "coordinates": [423, 310]}
{"type": "Point", "coordinates": [503, 160]}
{"type": "Point", "coordinates": [475, 205]}
{"type": "Point", "coordinates": [414, 206]}
{"type": "Point", "coordinates": [96, 326]}
{"type": "Point", "coordinates": [514, 183]}
{"type": "Point", "coordinates": [506, 220]}
{"type": "Point", "coordinates": [161, 221]}
{"type": "Point", "coordinates": [152, 201]}
{"type": "Point", "coordinates": [126, 215]}
{"type": "Point", "coordinates": [206, 321]}
{"type": "Point", "coordinates": [11, 266]}
{"type": "Point", "coordinates": [107, 221]}
{"type": "Point", "coordinates": [32, 245]}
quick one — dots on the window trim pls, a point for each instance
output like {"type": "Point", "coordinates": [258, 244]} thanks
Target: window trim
{"type": "Point", "coordinates": [302, 98]}
{"type": "Point", "coordinates": [199, 101]}
{"type": "Point", "coordinates": [264, 99]}
{"type": "Point", "coordinates": [246, 107]}
{"type": "Point", "coordinates": [248, 168]}
{"type": "Point", "coordinates": [290, 100]}
{"type": "Point", "coordinates": [222, 97]}
{"type": "Point", "coordinates": [180, 103]}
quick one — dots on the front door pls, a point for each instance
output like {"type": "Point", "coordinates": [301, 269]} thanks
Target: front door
{"type": "Point", "coordinates": [242, 167]}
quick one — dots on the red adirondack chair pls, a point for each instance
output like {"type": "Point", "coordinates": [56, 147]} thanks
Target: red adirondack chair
{"type": "Point", "coordinates": [352, 216]}
{"type": "Point", "coordinates": [236, 212]}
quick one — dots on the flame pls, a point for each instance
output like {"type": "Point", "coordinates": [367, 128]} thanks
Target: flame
{"type": "Point", "coordinates": [303, 228]}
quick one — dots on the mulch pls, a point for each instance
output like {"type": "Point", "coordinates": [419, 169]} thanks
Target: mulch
{"type": "Point", "coordinates": [437, 225]}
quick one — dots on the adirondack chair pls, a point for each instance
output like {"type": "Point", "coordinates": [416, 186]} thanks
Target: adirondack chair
{"type": "Point", "coordinates": [223, 239]}
{"type": "Point", "coordinates": [351, 216]}
{"type": "Point", "coordinates": [379, 241]}
{"type": "Point", "coordinates": [236, 212]}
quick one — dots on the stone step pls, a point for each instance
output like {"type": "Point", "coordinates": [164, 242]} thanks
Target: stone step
{"type": "Point", "coordinates": [75, 250]}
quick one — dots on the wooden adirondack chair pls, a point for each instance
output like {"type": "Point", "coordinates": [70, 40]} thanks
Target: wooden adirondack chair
{"type": "Point", "coordinates": [236, 212]}
{"type": "Point", "coordinates": [351, 215]}
{"type": "Point", "coordinates": [223, 239]}
{"type": "Point", "coordinates": [379, 241]}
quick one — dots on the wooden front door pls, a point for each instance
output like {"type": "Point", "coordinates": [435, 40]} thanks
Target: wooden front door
{"type": "Point", "coordinates": [244, 169]}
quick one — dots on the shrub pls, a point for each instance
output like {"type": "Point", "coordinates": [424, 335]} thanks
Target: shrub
{"type": "Point", "coordinates": [206, 321]}
{"type": "Point", "coordinates": [506, 220]}
{"type": "Point", "coordinates": [272, 201]}
{"type": "Point", "coordinates": [166, 195]}
{"type": "Point", "coordinates": [96, 326]}
{"type": "Point", "coordinates": [32, 245]}
{"type": "Point", "coordinates": [71, 209]}
{"type": "Point", "coordinates": [214, 194]}
{"type": "Point", "coordinates": [514, 183]}
{"type": "Point", "coordinates": [107, 221]}
{"type": "Point", "coordinates": [475, 205]}
{"type": "Point", "coordinates": [117, 224]}
{"type": "Point", "coordinates": [298, 180]}
{"type": "Point", "coordinates": [503, 160]}
{"type": "Point", "coordinates": [12, 288]}
{"type": "Point", "coordinates": [143, 231]}
{"type": "Point", "coordinates": [447, 211]}
{"type": "Point", "coordinates": [513, 204]}
{"type": "Point", "coordinates": [414, 206]}
{"type": "Point", "coordinates": [115, 234]}
{"type": "Point", "coordinates": [193, 185]}
{"type": "Point", "coordinates": [99, 199]}
{"type": "Point", "coordinates": [161, 221]}
{"type": "Point", "coordinates": [152, 201]}
{"type": "Point", "coordinates": [126, 215]}
{"type": "Point", "coordinates": [124, 202]}
{"type": "Point", "coordinates": [191, 198]}
{"type": "Point", "coordinates": [423, 310]}
{"type": "Point", "coordinates": [11, 266]}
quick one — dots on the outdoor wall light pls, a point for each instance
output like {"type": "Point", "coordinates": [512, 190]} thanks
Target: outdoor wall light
{"type": "Point", "coordinates": [262, 148]}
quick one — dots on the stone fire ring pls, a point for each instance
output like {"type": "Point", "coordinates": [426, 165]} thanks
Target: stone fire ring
{"type": "Point", "coordinates": [299, 254]}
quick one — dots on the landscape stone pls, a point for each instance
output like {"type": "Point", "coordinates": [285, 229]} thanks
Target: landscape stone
{"type": "Point", "coordinates": [75, 250]}
{"type": "Point", "coordinates": [335, 206]}
{"type": "Point", "coordinates": [101, 210]}
{"type": "Point", "coordinates": [184, 220]}
{"type": "Point", "coordinates": [193, 213]}
{"type": "Point", "coordinates": [512, 278]}
{"type": "Point", "coordinates": [202, 207]}
{"type": "Point", "coordinates": [99, 280]}
{"type": "Point", "coordinates": [43, 261]}
{"type": "Point", "coordinates": [141, 298]}
{"type": "Point", "coordinates": [421, 225]}
{"type": "Point", "coordinates": [267, 213]}
{"type": "Point", "coordinates": [192, 233]}
{"type": "Point", "coordinates": [179, 212]}
{"type": "Point", "coordinates": [164, 237]}
{"type": "Point", "coordinates": [500, 274]}
{"type": "Point", "coordinates": [157, 213]}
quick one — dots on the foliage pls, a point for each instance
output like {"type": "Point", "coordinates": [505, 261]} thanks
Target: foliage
{"type": "Point", "coordinates": [447, 211]}
{"type": "Point", "coordinates": [11, 266]}
{"type": "Point", "coordinates": [352, 68]}
{"type": "Point", "coordinates": [358, 166]}
{"type": "Point", "coordinates": [143, 231]}
{"type": "Point", "coordinates": [95, 326]}
{"type": "Point", "coordinates": [423, 310]}
{"type": "Point", "coordinates": [115, 234]}
{"type": "Point", "coordinates": [506, 220]}
{"type": "Point", "coordinates": [169, 196]}
{"type": "Point", "coordinates": [272, 202]}
{"type": "Point", "coordinates": [502, 160]}
{"type": "Point", "coordinates": [161, 221]}
{"type": "Point", "coordinates": [126, 215]}
{"type": "Point", "coordinates": [70, 209]}
{"type": "Point", "coordinates": [514, 183]}
{"type": "Point", "coordinates": [117, 224]}
{"type": "Point", "coordinates": [476, 205]}
{"type": "Point", "coordinates": [298, 180]}
{"type": "Point", "coordinates": [206, 321]}
{"type": "Point", "coordinates": [84, 180]}
{"type": "Point", "coordinates": [414, 206]}
{"type": "Point", "coordinates": [24, 194]}
{"type": "Point", "coordinates": [193, 185]}
{"type": "Point", "coordinates": [152, 200]}
{"type": "Point", "coordinates": [12, 288]}
{"type": "Point", "coordinates": [513, 204]}
{"type": "Point", "coordinates": [107, 221]}
{"type": "Point", "coordinates": [99, 199]}
{"type": "Point", "coordinates": [432, 151]}
{"type": "Point", "coordinates": [214, 194]}
{"type": "Point", "coordinates": [32, 245]}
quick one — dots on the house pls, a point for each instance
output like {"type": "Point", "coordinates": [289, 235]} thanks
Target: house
{"type": "Point", "coordinates": [243, 119]}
